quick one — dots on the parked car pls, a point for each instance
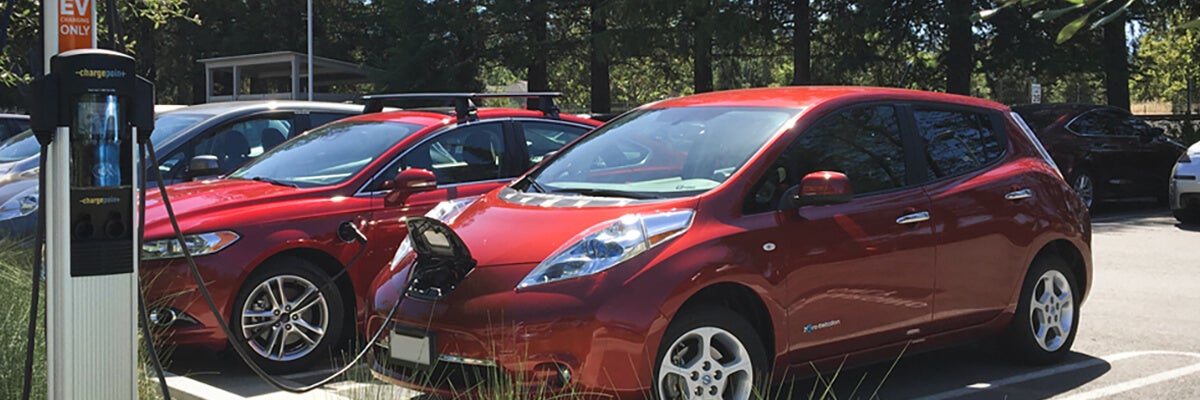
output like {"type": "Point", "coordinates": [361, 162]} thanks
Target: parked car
{"type": "Point", "coordinates": [1185, 186]}
{"type": "Point", "coordinates": [232, 132]}
{"type": "Point", "coordinates": [12, 124]}
{"type": "Point", "coordinates": [266, 235]}
{"type": "Point", "coordinates": [803, 226]}
{"type": "Point", "coordinates": [1105, 152]}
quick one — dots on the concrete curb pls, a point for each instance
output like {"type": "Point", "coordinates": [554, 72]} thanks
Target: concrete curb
{"type": "Point", "coordinates": [185, 388]}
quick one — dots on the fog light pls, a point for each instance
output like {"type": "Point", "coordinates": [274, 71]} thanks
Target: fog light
{"type": "Point", "coordinates": [162, 317]}
{"type": "Point", "coordinates": [553, 375]}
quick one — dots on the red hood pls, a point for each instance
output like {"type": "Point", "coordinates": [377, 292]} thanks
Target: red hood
{"type": "Point", "coordinates": [500, 232]}
{"type": "Point", "coordinates": [200, 205]}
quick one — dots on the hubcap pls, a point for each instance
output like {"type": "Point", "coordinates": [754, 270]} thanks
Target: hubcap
{"type": "Point", "coordinates": [706, 363]}
{"type": "Point", "coordinates": [1085, 188]}
{"type": "Point", "coordinates": [1052, 310]}
{"type": "Point", "coordinates": [284, 318]}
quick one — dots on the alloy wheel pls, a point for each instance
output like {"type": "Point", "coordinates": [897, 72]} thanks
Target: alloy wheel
{"type": "Point", "coordinates": [1052, 310]}
{"type": "Point", "coordinates": [284, 318]}
{"type": "Point", "coordinates": [706, 363]}
{"type": "Point", "coordinates": [1085, 188]}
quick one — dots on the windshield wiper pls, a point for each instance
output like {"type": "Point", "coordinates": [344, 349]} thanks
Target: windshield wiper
{"type": "Point", "coordinates": [533, 184]}
{"type": "Point", "coordinates": [274, 182]}
{"type": "Point", "coordinates": [608, 193]}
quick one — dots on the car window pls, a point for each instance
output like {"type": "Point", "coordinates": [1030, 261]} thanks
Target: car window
{"type": "Point", "coordinates": [19, 147]}
{"type": "Point", "coordinates": [233, 145]}
{"type": "Point", "coordinates": [327, 155]}
{"type": "Point", "coordinates": [1105, 122]}
{"type": "Point", "coordinates": [957, 142]}
{"type": "Point", "coordinates": [467, 154]}
{"type": "Point", "coordinates": [318, 119]}
{"type": "Point", "coordinates": [863, 142]}
{"type": "Point", "coordinates": [543, 138]}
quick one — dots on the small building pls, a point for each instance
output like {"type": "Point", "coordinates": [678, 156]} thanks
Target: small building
{"type": "Point", "coordinates": [280, 75]}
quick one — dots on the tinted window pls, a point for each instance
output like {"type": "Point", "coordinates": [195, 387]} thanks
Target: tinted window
{"type": "Point", "coordinates": [468, 154]}
{"type": "Point", "coordinates": [544, 138]}
{"type": "Point", "coordinates": [1106, 122]}
{"type": "Point", "coordinates": [327, 155]}
{"type": "Point", "coordinates": [864, 143]}
{"type": "Point", "coordinates": [957, 142]}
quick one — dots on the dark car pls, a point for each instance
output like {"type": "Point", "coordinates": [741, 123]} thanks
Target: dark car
{"type": "Point", "coordinates": [12, 124]}
{"type": "Point", "coordinates": [1105, 152]}
{"type": "Point", "coordinates": [232, 132]}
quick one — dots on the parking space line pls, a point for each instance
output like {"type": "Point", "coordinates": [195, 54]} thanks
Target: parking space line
{"type": "Point", "coordinates": [979, 387]}
{"type": "Point", "coordinates": [1136, 383]}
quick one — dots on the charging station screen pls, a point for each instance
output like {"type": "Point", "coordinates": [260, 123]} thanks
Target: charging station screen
{"type": "Point", "coordinates": [97, 150]}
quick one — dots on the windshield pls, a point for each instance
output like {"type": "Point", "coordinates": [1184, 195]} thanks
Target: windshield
{"type": "Point", "coordinates": [658, 153]}
{"type": "Point", "coordinates": [167, 125]}
{"type": "Point", "coordinates": [327, 155]}
{"type": "Point", "coordinates": [19, 147]}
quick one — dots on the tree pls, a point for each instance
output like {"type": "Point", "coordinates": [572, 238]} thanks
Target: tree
{"type": "Point", "coordinates": [801, 43]}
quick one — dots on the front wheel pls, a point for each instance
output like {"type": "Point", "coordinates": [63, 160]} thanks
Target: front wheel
{"type": "Point", "coordinates": [288, 315]}
{"type": "Point", "coordinates": [1047, 316]}
{"type": "Point", "coordinates": [1085, 187]}
{"type": "Point", "coordinates": [709, 354]}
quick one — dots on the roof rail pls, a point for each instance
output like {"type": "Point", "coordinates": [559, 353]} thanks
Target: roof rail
{"type": "Point", "coordinates": [464, 103]}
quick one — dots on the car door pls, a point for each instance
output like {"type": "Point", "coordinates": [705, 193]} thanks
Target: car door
{"type": "Point", "coordinates": [860, 274]}
{"type": "Point", "coordinates": [981, 211]}
{"type": "Point", "coordinates": [233, 143]}
{"type": "Point", "coordinates": [1117, 157]}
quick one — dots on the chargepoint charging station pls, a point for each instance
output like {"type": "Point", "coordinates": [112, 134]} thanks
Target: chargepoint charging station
{"type": "Point", "coordinates": [91, 112]}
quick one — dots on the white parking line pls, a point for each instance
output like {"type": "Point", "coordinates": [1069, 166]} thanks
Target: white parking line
{"type": "Point", "coordinates": [1105, 391]}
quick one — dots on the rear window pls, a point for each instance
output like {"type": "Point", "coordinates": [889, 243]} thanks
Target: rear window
{"type": "Point", "coordinates": [958, 142]}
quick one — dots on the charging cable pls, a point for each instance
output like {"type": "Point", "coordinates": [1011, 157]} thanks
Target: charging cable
{"type": "Point", "coordinates": [39, 243]}
{"type": "Point", "coordinates": [238, 346]}
{"type": "Point", "coordinates": [142, 312]}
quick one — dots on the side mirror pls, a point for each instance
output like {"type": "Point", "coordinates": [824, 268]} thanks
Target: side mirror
{"type": "Point", "coordinates": [407, 183]}
{"type": "Point", "coordinates": [1152, 134]}
{"type": "Point", "coordinates": [818, 189]}
{"type": "Point", "coordinates": [203, 165]}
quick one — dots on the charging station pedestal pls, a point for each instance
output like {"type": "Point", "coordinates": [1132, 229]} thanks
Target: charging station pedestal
{"type": "Point", "coordinates": [92, 109]}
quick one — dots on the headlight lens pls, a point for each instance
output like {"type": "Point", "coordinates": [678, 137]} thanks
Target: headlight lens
{"type": "Point", "coordinates": [445, 211]}
{"type": "Point", "coordinates": [198, 245]}
{"type": "Point", "coordinates": [22, 204]}
{"type": "Point", "coordinates": [608, 244]}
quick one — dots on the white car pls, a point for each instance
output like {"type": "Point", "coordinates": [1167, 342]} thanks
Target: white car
{"type": "Point", "coordinates": [1185, 186]}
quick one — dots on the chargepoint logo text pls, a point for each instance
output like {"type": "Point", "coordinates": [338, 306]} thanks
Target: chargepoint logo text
{"type": "Point", "coordinates": [100, 73]}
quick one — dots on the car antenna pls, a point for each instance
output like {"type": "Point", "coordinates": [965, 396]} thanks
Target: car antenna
{"type": "Point", "coordinates": [904, 76]}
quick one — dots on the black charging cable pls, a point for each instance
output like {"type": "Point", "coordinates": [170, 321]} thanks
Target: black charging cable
{"type": "Point", "coordinates": [142, 311]}
{"type": "Point", "coordinates": [39, 243]}
{"type": "Point", "coordinates": [238, 346]}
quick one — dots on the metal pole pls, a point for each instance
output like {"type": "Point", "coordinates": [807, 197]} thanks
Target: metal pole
{"type": "Point", "coordinates": [310, 50]}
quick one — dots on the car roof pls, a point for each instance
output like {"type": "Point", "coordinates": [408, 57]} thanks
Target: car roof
{"type": "Point", "coordinates": [810, 96]}
{"type": "Point", "coordinates": [439, 116]}
{"type": "Point", "coordinates": [266, 105]}
{"type": "Point", "coordinates": [13, 116]}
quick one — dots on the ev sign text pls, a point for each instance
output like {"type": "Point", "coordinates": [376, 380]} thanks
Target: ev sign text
{"type": "Point", "coordinates": [75, 24]}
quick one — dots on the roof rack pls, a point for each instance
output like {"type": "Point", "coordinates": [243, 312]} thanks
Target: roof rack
{"type": "Point", "coordinates": [464, 103]}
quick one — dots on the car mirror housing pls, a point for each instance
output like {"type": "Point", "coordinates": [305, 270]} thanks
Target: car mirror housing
{"type": "Point", "coordinates": [408, 182]}
{"type": "Point", "coordinates": [203, 165]}
{"type": "Point", "coordinates": [822, 188]}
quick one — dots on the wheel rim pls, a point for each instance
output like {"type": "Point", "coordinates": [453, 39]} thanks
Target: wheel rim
{"type": "Point", "coordinates": [284, 318]}
{"type": "Point", "coordinates": [1085, 188]}
{"type": "Point", "coordinates": [706, 363]}
{"type": "Point", "coordinates": [1052, 310]}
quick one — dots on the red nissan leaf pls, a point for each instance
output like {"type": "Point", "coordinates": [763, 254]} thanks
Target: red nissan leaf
{"type": "Point", "coordinates": [702, 246]}
{"type": "Point", "coordinates": [271, 240]}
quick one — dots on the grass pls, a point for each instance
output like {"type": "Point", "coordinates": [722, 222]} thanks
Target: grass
{"type": "Point", "coordinates": [16, 261]}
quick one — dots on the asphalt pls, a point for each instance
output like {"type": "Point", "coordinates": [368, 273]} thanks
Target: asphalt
{"type": "Point", "coordinates": [1137, 338]}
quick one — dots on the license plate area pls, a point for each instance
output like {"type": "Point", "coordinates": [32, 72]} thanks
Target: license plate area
{"type": "Point", "coordinates": [412, 347]}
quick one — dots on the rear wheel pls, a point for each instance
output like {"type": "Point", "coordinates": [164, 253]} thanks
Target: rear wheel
{"type": "Point", "coordinates": [1046, 320]}
{"type": "Point", "coordinates": [288, 314]}
{"type": "Point", "coordinates": [709, 353]}
{"type": "Point", "coordinates": [1190, 215]}
{"type": "Point", "coordinates": [1085, 188]}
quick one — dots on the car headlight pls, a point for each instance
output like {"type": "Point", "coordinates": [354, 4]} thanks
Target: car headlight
{"type": "Point", "coordinates": [445, 211]}
{"type": "Point", "coordinates": [22, 204]}
{"type": "Point", "coordinates": [608, 244]}
{"type": "Point", "coordinates": [198, 245]}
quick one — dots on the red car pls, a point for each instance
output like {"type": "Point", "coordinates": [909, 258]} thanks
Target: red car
{"type": "Point", "coordinates": [266, 236]}
{"type": "Point", "coordinates": [800, 225]}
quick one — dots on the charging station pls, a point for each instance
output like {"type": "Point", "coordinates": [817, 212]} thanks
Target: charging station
{"type": "Point", "coordinates": [90, 113]}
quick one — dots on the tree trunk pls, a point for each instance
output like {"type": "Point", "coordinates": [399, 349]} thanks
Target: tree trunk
{"type": "Point", "coordinates": [702, 65]}
{"type": "Point", "coordinates": [801, 43]}
{"type": "Point", "coordinates": [601, 94]}
{"type": "Point", "coordinates": [958, 56]}
{"type": "Point", "coordinates": [538, 77]}
{"type": "Point", "coordinates": [1116, 64]}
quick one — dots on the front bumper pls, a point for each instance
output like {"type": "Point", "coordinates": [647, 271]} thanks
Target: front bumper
{"type": "Point", "coordinates": [581, 336]}
{"type": "Point", "coordinates": [169, 284]}
{"type": "Point", "coordinates": [1185, 185]}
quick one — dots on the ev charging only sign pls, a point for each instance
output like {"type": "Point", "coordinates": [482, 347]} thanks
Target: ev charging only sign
{"type": "Point", "coordinates": [75, 24]}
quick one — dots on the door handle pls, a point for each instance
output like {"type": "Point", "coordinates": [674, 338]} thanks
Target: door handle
{"type": "Point", "coordinates": [1018, 194]}
{"type": "Point", "coordinates": [913, 218]}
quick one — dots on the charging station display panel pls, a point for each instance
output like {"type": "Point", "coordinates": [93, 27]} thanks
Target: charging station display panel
{"type": "Point", "coordinates": [101, 186]}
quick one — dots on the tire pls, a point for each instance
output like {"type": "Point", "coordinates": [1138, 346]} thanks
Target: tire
{"type": "Point", "coordinates": [1087, 188]}
{"type": "Point", "coordinates": [742, 356]}
{"type": "Point", "coordinates": [284, 339]}
{"type": "Point", "coordinates": [1188, 216]}
{"type": "Point", "coordinates": [1045, 323]}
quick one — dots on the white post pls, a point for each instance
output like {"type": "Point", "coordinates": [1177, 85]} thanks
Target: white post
{"type": "Point", "coordinates": [310, 50]}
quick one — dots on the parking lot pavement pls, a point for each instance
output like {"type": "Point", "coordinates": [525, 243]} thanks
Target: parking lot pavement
{"type": "Point", "coordinates": [1137, 336]}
